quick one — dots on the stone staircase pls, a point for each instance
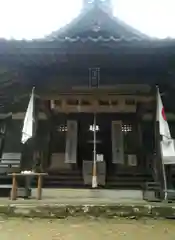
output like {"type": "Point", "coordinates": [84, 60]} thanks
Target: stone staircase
{"type": "Point", "coordinates": [128, 181]}
{"type": "Point", "coordinates": [73, 179]}
{"type": "Point", "coordinates": [62, 179]}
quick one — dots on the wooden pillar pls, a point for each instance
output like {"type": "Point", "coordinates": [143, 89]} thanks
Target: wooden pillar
{"type": "Point", "coordinates": [140, 151]}
{"type": "Point", "coordinates": [140, 155]}
{"type": "Point", "coordinates": [117, 143]}
{"type": "Point", "coordinates": [168, 169]}
{"type": "Point", "coordinates": [27, 161]}
{"type": "Point", "coordinates": [48, 160]}
{"type": "Point", "coordinates": [13, 136]}
{"type": "Point", "coordinates": [44, 142]}
{"type": "Point", "coordinates": [3, 128]}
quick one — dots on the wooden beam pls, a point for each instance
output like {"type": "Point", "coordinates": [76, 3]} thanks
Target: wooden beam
{"type": "Point", "coordinates": [21, 115]}
{"type": "Point", "coordinates": [102, 97]}
{"type": "Point", "coordinates": [150, 116]}
{"type": "Point", "coordinates": [96, 108]}
{"type": "Point", "coordinates": [105, 93]}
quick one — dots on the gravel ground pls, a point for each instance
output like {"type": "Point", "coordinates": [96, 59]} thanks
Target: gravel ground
{"type": "Point", "coordinates": [85, 229]}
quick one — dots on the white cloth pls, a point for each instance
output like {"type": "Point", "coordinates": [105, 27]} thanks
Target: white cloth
{"type": "Point", "coordinates": [27, 131]}
{"type": "Point", "coordinates": [168, 151]}
{"type": "Point", "coordinates": [167, 143]}
{"type": "Point", "coordinates": [161, 118]}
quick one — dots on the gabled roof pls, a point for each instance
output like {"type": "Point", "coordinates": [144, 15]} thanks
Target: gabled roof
{"type": "Point", "coordinates": [96, 22]}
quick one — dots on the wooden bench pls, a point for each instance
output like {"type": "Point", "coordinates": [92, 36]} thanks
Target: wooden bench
{"type": "Point", "coordinates": [26, 175]}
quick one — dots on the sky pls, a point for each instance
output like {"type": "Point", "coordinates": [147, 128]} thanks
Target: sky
{"type": "Point", "coordinates": [29, 19]}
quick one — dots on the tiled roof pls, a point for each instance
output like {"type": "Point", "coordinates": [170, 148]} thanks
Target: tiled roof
{"type": "Point", "coordinates": [96, 20]}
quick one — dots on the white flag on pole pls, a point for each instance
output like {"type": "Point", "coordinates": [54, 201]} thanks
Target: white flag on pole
{"type": "Point", "coordinates": [28, 125]}
{"type": "Point", "coordinates": [94, 168]}
{"type": "Point", "coordinates": [167, 143]}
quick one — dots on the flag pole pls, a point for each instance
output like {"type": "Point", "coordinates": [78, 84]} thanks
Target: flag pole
{"type": "Point", "coordinates": [33, 91]}
{"type": "Point", "coordinates": [165, 179]}
{"type": "Point", "coordinates": [94, 170]}
{"type": "Point", "coordinates": [159, 148]}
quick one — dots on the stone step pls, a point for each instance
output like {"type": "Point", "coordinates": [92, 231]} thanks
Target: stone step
{"type": "Point", "coordinates": [64, 175]}
{"type": "Point", "coordinates": [129, 179]}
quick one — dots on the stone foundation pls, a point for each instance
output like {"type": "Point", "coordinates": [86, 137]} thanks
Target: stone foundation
{"type": "Point", "coordinates": [104, 211]}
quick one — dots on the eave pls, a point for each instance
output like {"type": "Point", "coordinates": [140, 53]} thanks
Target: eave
{"type": "Point", "coordinates": [68, 45]}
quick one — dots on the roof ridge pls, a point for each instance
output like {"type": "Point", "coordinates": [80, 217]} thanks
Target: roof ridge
{"type": "Point", "coordinates": [83, 14]}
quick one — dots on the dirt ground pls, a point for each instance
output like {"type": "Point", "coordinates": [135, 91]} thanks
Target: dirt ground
{"type": "Point", "coordinates": [85, 229]}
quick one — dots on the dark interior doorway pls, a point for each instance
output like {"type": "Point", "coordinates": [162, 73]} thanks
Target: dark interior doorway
{"type": "Point", "coordinates": [85, 138]}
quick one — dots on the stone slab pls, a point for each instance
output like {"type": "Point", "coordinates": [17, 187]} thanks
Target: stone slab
{"type": "Point", "coordinates": [135, 211]}
{"type": "Point", "coordinates": [63, 203]}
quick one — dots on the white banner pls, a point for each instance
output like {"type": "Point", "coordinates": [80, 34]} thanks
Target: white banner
{"type": "Point", "coordinates": [168, 151]}
{"type": "Point", "coordinates": [27, 131]}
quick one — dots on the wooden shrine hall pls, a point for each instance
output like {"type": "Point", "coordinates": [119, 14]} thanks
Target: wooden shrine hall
{"type": "Point", "coordinates": [95, 66]}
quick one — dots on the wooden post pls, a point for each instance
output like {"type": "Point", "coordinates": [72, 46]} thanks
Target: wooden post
{"type": "Point", "coordinates": [140, 152]}
{"type": "Point", "coordinates": [39, 189]}
{"type": "Point", "coordinates": [14, 188]}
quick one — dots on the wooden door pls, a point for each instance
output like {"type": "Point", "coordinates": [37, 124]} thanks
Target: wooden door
{"type": "Point", "coordinates": [71, 142]}
{"type": "Point", "coordinates": [117, 143]}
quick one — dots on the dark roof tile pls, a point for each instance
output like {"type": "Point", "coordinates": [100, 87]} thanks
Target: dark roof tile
{"type": "Point", "coordinates": [96, 19]}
